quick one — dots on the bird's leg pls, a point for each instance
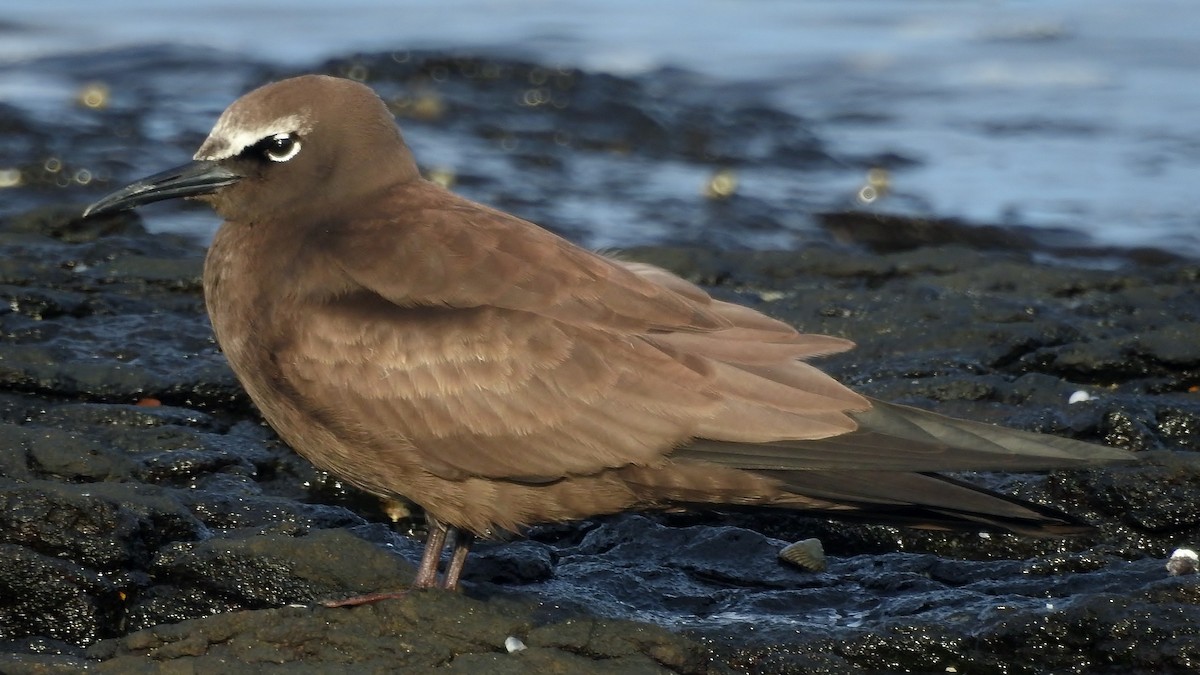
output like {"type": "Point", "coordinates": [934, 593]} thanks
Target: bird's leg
{"type": "Point", "coordinates": [427, 573]}
{"type": "Point", "coordinates": [462, 546]}
{"type": "Point", "coordinates": [427, 576]}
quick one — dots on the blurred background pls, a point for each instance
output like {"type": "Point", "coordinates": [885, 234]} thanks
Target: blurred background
{"type": "Point", "coordinates": [1067, 124]}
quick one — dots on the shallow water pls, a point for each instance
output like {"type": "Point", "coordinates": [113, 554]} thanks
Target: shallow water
{"type": "Point", "coordinates": [1069, 114]}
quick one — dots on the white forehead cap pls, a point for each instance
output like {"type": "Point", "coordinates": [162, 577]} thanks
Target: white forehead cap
{"type": "Point", "coordinates": [236, 131]}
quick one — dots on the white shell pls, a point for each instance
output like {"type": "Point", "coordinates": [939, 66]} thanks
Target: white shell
{"type": "Point", "coordinates": [1183, 561]}
{"type": "Point", "coordinates": [1079, 397]}
{"type": "Point", "coordinates": [807, 554]}
{"type": "Point", "coordinates": [513, 644]}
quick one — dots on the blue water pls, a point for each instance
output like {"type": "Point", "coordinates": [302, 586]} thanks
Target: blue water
{"type": "Point", "coordinates": [1076, 114]}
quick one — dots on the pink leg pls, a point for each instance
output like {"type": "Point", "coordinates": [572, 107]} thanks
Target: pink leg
{"type": "Point", "coordinates": [427, 573]}
{"type": "Point", "coordinates": [462, 546]}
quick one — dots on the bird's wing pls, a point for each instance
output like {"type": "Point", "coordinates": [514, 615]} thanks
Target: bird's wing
{"type": "Point", "coordinates": [505, 394]}
{"type": "Point", "coordinates": [500, 350]}
{"type": "Point", "coordinates": [444, 250]}
{"type": "Point", "coordinates": [548, 360]}
{"type": "Point", "coordinates": [893, 437]}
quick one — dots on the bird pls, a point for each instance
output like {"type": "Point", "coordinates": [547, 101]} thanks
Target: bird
{"type": "Point", "coordinates": [418, 344]}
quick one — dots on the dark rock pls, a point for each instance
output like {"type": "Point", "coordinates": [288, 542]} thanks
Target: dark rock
{"type": "Point", "coordinates": [55, 598]}
{"type": "Point", "coordinates": [65, 223]}
{"type": "Point", "coordinates": [108, 527]}
{"type": "Point", "coordinates": [515, 563]}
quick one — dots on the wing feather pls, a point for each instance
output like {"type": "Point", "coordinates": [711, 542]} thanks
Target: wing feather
{"type": "Point", "coordinates": [492, 348]}
{"type": "Point", "coordinates": [591, 401]}
{"type": "Point", "coordinates": [495, 348]}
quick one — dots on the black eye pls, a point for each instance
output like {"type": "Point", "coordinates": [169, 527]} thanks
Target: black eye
{"type": "Point", "coordinates": [279, 148]}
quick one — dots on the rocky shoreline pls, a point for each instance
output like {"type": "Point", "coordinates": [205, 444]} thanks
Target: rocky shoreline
{"type": "Point", "coordinates": [152, 523]}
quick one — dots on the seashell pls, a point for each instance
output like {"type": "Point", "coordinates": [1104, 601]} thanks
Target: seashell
{"type": "Point", "coordinates": [1079, 396]}
{"type": "Point", "coordinates": [1183, 561]}
{"type": "Point", "coordinates": [807, 554]}
{"type": "Point", "coordinates": [513, 644]}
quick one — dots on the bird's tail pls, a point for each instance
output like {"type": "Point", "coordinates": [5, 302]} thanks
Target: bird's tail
{"type": "Point", "coordinates": [883, 471]}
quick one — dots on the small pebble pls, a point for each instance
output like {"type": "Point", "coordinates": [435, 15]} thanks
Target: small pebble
{"type": "Point", "coordinates": [514, 644]}
{"type": "Point", "coordinates": [721, 185]}
{"type": "Point", "coordinates": [426, 106]}
{"type": "Point", "coordinates": [93, 95]}
{"type": "Point", "coordinates": [442, 176]}
{"type": "Point", "coordinates": [1182, 561]}
{"type": "Point", "coordinates": [10, 178]}
{"type": "Point", "coordinates": [395, 509]}
{"type": "Point", "coordinates": [878, 184]}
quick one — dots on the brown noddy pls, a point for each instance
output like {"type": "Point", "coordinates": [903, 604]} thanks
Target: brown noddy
{"type": "Point", "coordinates": [416, 343]}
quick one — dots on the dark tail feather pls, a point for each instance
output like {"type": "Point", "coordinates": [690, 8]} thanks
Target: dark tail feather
{"type": "Point", "coordinates": [880, 472]}
{"type": "Point", "coordinates": [900, 438]}
{"type": "Point", "coordinates": [926, 501]}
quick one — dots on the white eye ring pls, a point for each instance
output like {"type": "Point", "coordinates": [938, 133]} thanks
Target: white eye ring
{"type": "Point", "coordinates": [281, 147]}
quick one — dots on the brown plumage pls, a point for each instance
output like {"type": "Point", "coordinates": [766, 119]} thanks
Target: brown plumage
{"type": "Point", "coordinates": [419, 344]}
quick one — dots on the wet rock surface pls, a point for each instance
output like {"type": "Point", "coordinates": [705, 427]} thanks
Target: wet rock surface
{"type": "Point", "coordinates": [150, 521]}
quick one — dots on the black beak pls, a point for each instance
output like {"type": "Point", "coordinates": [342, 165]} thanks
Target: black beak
{"type": "Point", "coordinates": [189, 180]}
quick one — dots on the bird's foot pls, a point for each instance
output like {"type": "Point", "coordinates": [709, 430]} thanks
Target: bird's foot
{"type": "Point", "coordinates": [365, 599]}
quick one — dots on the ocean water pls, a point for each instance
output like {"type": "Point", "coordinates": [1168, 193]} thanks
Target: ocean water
{"type": "Point", "coordinates": [1082, 115]}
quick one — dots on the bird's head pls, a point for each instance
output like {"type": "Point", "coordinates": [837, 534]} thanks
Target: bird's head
{"type": "Point", "coordinates": [308, 143]}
